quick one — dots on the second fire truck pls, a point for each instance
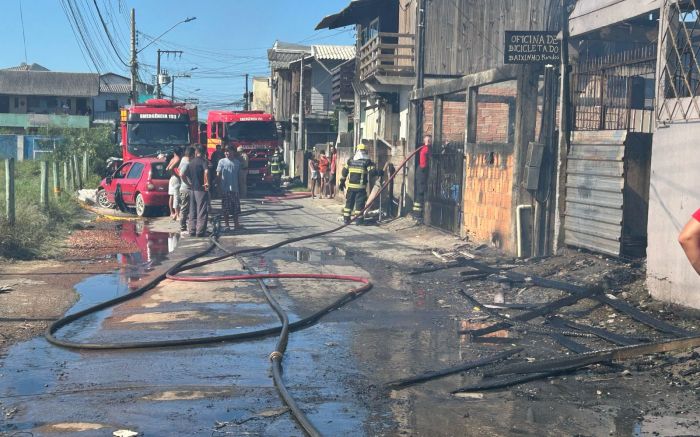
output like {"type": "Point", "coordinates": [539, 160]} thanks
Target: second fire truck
{"type": "Point", "coordinates": [255, 131]}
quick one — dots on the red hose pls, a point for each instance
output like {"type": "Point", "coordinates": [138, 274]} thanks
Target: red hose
{"type": "Point", "coordinates": [268, 276]}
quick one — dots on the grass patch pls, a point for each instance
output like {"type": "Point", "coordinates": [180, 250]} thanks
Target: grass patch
{"type": "Point", "coordinates": [37, 233]}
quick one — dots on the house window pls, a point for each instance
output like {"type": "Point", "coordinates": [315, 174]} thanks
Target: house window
{"type": "Point", "coordinates": [111, 105]}
{"type": "Point", "coordinates": [16, 102]}
{"type": "Point", "coordinates": [369, 32]}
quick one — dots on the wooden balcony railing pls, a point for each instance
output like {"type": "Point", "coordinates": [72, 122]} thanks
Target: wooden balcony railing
{"type": "Point", "coordinates": [387, 54]}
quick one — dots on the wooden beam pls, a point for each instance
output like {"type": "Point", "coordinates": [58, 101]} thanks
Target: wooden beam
{"type": "Point", "coordinates": [498, 74]}
{"type": "Point", "coordinates": [525, 119]}
{"type": "Point", "coordinates": [589, 15]}
{"type": "Point", "coordinates": [437, 120]}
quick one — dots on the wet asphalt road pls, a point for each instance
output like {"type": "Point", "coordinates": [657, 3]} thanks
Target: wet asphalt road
{"type": "Point", "coordinates": [219, 389]}
{"type": "Point", "coordinates": [335, 369]}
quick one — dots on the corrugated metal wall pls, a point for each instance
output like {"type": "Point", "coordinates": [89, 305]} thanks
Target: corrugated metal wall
{"type": "Point", "coordinates": [595, 181]}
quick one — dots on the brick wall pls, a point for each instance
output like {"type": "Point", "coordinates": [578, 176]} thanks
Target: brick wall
{"type": "Point", "coordinates": [487, 195]}
{"type": "Point", "coordinates": [427, 117]}
{"type": "Point", "coordinates": [492, 123]}
{"type": "Point", "coordinates": [494, 118]}
{"type": "Point", "coordinates": [453, 121]}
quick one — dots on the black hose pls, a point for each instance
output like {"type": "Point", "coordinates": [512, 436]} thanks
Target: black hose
{"type": "Point", "coordinates": [278, 354]}
{"type": "Point", "coordinates": [284, 329]}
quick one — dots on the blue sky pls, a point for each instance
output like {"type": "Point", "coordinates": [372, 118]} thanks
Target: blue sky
{"type": "Point", "coordinates": [228, 39]}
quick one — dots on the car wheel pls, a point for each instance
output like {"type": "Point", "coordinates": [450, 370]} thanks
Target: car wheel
{"type": "Point", "coordinates": [141, 209]}
{"type": "Point", "coordinates": [103, 201]}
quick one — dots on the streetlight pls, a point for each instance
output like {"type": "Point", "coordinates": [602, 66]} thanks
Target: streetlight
{"type": "Point", "coordinates": [186, 20]}
{"type": "Point", "coordinates": [135, 52]}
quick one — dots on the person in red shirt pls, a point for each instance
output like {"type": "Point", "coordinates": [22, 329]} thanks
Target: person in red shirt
{"type": "Point", "coordinates": [334, 166]}
{"type": "Point", "coordinates": [689, 239]}
{"type": "Point", "coordinates": [323, 164]}
{"type": "Point", "coordinates": [422, 177]}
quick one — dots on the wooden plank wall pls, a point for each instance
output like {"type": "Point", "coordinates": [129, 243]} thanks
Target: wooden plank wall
{"type": "Point", "coordinates": [467, 36]}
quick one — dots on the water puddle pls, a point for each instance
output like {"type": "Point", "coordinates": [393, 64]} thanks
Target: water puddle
{"type": "Point", "coordinates": [302, 254]}
{"type": "Point", "coordinates": [153, 248]}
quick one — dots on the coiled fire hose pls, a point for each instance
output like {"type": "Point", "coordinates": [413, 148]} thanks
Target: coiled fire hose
{"type": "Point", "coordinates": [187, 264]}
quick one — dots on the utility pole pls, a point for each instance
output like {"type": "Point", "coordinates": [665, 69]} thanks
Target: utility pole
{"type": "Point", "coordinates": [300, 143]}
{"type": "Point", "coordinates": [247, 95]}
{"type": "Point", "coordinates": [134, 65]}
{"type": "Point", "coordinates": [172, 83]}
{"type": "Point", "coordinates": [159, 91]}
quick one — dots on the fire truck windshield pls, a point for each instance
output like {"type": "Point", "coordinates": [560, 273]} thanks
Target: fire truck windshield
{"type": "Point", "coordinates": [155, 133]}
{"type": "Point", "coordinates": [252, 130]}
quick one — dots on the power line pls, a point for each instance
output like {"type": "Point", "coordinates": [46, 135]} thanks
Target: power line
{"type": "Point", "coordinates": [109, 36]}
{"type": "Point", "coordinates": [78, 38]}
{"type": "Point", "coordinates": [24, 39]}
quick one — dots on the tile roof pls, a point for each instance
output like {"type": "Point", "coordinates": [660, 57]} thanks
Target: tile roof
{"type": "Point", "coordinates": [48, 83]}
{"type": "Point", "coordinates": [333, 52]}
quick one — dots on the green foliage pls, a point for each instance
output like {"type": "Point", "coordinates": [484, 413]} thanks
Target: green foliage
{"type": "Point", "coordinates": [36, 232]}
{"type": "Point", "coordinates": [96, 141]}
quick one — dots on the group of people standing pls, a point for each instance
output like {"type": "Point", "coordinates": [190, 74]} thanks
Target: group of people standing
{"type": "Point", "coordinates": [322, 171]}
{"type": "Point", "coordinates": [196, 178]}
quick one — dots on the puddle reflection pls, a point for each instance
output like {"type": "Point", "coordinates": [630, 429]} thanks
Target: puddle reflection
{"type": "Point", "coordinates": [153, 247]}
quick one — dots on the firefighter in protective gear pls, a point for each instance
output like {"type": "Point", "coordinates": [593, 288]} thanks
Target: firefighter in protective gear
{"type": "Point", "coordinates": [355, 176]}
{"type": "Point", "coordinates": [276, 168]}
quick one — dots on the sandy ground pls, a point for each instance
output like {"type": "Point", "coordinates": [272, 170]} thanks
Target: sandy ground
{"type": "Point", "coordinates": [34, 293]}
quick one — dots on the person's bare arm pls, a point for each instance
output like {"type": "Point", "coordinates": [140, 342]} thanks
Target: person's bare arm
{"type": "Point", "coordinates": [689, 239]}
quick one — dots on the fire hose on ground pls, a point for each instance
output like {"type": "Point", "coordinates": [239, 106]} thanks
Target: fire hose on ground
{"type": "Point", "coordinates": [283, 330]}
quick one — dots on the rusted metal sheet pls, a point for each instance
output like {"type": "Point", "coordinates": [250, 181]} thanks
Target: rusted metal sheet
{"type": "Point", "coordinates": [594, 191]}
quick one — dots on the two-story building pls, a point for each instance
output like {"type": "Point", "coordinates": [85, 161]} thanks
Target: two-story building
{"type": "Point", "coordinates": [33, 97]}
{"type": "Point", "coordinates": [302, 77]}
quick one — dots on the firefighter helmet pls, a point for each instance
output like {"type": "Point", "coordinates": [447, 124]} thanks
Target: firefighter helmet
{"type": "Point", "coordinates": [361, 146]}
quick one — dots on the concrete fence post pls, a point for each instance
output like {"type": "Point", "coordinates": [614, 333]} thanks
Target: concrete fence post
{"type": "Point", "coordinates": [66, 175]}
{"type": "Point", "coordinates": [71, 165]}
{"type": "Point", "coordinates": [56, 179]}
{"type": "Point", "coordinates": [44, 195]}
{"type": "Point", "coordinates": [79, 176]}
{"type": "Point", "coordinates": [85, 166]}
{"type": "Point", "coordinates": [10, 190]}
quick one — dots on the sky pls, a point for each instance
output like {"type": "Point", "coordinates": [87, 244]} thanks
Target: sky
{"type": "Point", "coordinates": [228, 39]}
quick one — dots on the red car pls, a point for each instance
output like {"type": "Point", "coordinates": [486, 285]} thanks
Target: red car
{"type": "Point", "coordinates": [143, 184]}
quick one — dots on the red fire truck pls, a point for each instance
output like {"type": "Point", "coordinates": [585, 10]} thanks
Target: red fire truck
{"type": "Point", "coordinates": [156, 126]}
{"type": "Point", "coordinates": [255, 131]}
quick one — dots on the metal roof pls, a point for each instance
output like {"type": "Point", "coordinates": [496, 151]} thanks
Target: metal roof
{"type": "Point", "coordinates": [341, 53]}
{"type": "Point", "coordinates": [282, 54]}
{"type": "Point", "coordinates": [48, 83]}
{"type": "Point", "coordinates": [352, 13]}
{"type": "Point", "coordinates": [28, 67]}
